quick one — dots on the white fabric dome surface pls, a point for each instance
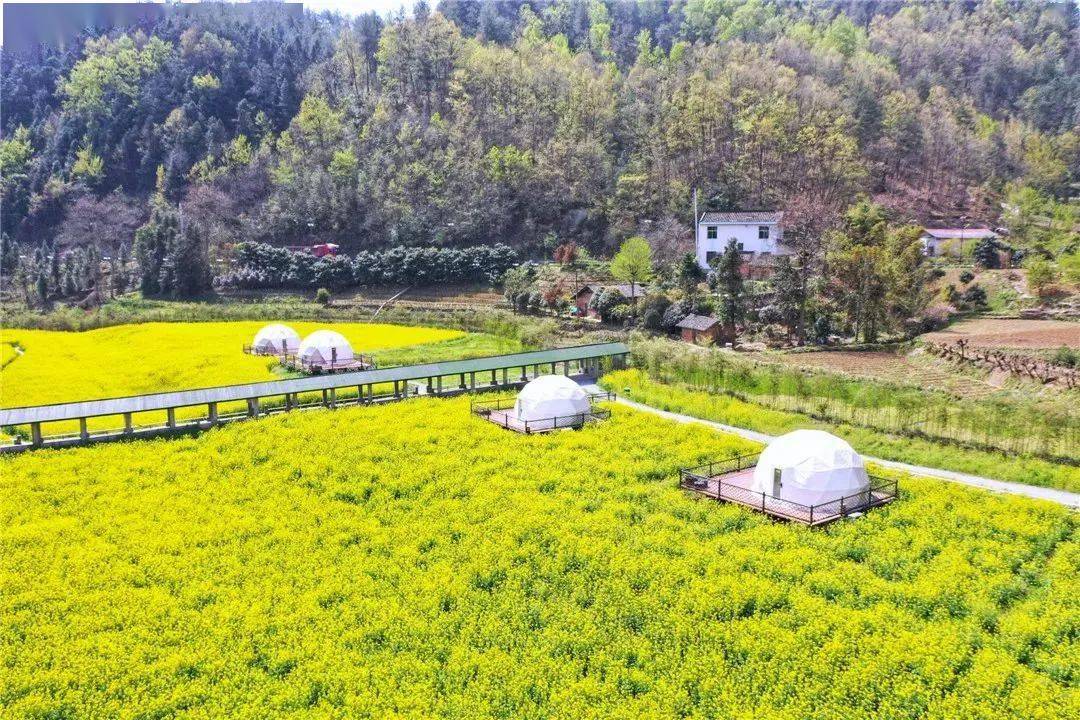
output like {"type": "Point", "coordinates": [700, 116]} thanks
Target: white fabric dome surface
{"type": "Point", "coordinates": [550, 396]}
{"type": "Point", "coordinates": [323, 347]}
{"type": "Point", "coordinates": [815, 467]}
{"type": "Point", "coordinates": [276, 338]}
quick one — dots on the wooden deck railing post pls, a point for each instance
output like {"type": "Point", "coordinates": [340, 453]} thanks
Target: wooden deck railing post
{"type": "Point", "coordinates": [333, 398]}
{"type": "Point", "coordinates": [83, 432]}
{"type": "Point", "coordinates": [170, 417]}
{"type": "Point", "coordinates": [253, 407]}
{"type": "Point", "coordinates": [35, 434]}
{"type": "Point", "coordinates": [524, 377]}
{"type": "Point", "coordinates": [494, 380]}
{"type": "Point", "coordinates": [506, 374]}
{"type": "Point", "coordinates": [438, 385]}
{"type": "Point", "coordinates": [430, 386]}
{"type": "Point", "coordinates": [212, 409]}
{"type": "Point", "coordinates": [127, 423]}
{"type": "Point", "coordinates": [472, 380]}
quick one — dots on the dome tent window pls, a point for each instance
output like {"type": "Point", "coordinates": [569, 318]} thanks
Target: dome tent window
{"type": "Point", "coordinates": [806, 476]}
{"type": "Point", "coordinates": [549, 402]}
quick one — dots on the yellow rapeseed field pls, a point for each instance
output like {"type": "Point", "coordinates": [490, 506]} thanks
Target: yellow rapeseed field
{"type": "Point", "coordinates": [411, 561]}
{"type": "Point", "coordinates": [153, 357]}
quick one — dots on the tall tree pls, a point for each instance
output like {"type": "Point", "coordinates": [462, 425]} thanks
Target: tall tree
{"type": "Point", "coordinates": [633, 263]}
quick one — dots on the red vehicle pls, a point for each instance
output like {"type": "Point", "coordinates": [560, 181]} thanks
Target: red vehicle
{"type": "Point", "coordinates": [324, 249]}
{"type": "Point", "coordinates": [321, 250]}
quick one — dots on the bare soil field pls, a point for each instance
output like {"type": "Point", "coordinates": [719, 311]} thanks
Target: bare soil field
{"type": "Point", "coordinates": [1015, 334]}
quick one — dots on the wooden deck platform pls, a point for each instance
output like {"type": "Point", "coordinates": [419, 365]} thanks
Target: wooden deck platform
{"type": "Point", "coordinates": [733, 482]}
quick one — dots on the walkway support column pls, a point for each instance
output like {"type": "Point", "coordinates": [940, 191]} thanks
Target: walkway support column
{"type": "Point", "coordinates": [127, 423]}
{"type": "Point", "coordinates": [438, 385]}
{"type": "Point", "coordinates": [213, 413]}
{"type": "Point", "coordinates": [35, 434]}
{"type": "Point", "coordinates": [83, 432]}
{"type": "Point", "coordinates": [170, 415]}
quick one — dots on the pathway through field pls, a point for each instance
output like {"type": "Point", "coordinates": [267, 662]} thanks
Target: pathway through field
{"type": "Point", "coordinates": [1062, 497]}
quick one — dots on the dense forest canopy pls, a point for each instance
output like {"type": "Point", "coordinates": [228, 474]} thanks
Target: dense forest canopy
{"type": "Point", "coordinates": [539, 122]}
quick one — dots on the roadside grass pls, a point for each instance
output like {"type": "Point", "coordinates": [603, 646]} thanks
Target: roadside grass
{"type": "Point", "coordinates": [637, 385]}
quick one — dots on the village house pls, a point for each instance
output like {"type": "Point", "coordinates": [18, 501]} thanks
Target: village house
{"type": "Point", "coordinates": [584, 296]}
{"type": "Point", "coordinates": [759, 236]}
{"type": "Point", "coordinates": [951, 241]}
{"type": "Point", "coordinates": [701, 328]}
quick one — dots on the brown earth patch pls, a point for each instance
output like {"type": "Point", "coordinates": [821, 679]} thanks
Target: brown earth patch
{"type": "Point", "coordinates": [1017, 334]}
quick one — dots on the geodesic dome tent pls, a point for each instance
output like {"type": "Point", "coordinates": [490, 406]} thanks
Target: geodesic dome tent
{"type": "Point", "coordinates": [276, 339]}
{"type": "Point", "coordinates": [552, 396]}
{"type": "Point", "coordinates": [815, 467]}
{"type": "Point", "coordinates": [325, 348]}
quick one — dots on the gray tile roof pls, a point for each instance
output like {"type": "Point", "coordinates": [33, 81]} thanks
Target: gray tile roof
{"type": "Point", "coordinates": [700, 323]}
{"type": "Point", "coordinates": [742, 217]}
{"type": "Point", "coordinates": [638, 290]}
{"type": "Point", "coordinates": [956, 233]}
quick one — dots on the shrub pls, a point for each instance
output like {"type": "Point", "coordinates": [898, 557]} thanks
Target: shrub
{"type": "Point", "coordinates": [605, 302]}
{"type": "Point", "coordinates": [1040, 274]}
{"type": "Point", "coordinates": [974, 296]}
{"type": "Point", "coordinates": [1066, 357]}
{"type": "Point", "coordinates": [967, 276]}
{"type": "Point", "coordinates": [986, 253]}
{"type": "Point", "coordinates": [322, 296]}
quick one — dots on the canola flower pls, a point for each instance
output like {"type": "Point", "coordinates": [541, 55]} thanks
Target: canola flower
{"type": "Point", "coordinates": [155, 357]}
{"type": "Point", "coordinates": [411, 561]}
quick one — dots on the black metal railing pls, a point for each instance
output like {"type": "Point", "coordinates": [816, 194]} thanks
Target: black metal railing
{"type": "Point", "coordinates": [709, 480]}
{"type": "Point", "coordinates": [495, 411]}
{"type": "Point", "coordinates": [304, 365]}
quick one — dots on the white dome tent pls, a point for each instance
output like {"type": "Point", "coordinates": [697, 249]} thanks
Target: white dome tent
{"type": "Point", "coordinates": [815, 467]}
{"type": "Point", "coordinates": [276, 339]}
{"type": "Point", "coordinates": [553, 397]}
{"type": "Point", "coordinates": [325, 348]}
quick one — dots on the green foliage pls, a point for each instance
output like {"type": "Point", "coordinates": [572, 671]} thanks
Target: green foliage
{"type": "Point", "coordinates": [592, 589]}
{"type": "Point", "coordinates": [1041, 274]}
{"type": "Point", "coordinates": [206, 81]}
{"type": "Point", "coordinates": [633, 263]}
{"type": "Point", "coordinates": [112, 68]}
{"type": "Point", "coordinates": [88, 167]}
{"type": "Point", "coordinates": [1011, 425]}
{"type": "Point", "coordinates": [322, 296]}
{"type": "Point", "coordinates": [639, 386]}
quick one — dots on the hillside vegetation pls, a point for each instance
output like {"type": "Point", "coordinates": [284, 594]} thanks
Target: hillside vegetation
{"type": "Point", "coordinates": [413, 561]}
{"type": "Point", "coordinates": [469, 122]}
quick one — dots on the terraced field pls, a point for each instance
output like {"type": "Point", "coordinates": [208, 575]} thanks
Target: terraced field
{"type": "Point", "coordinates": [412, 561]}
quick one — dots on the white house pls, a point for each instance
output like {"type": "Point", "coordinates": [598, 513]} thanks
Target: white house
{"type": "Point", "coordinates": [759, 235]}
{"type": "Point", "coordinates": [952, 241]}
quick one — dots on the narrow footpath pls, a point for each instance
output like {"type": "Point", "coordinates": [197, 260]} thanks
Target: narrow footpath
{"type": "Point", "coordinates": [1062, 497]}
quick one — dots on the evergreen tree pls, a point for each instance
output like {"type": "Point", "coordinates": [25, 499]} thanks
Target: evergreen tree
{"type": "Point", "coordinates": [727, 280]}
{"type": "Point", "coordinates": [152, 243]}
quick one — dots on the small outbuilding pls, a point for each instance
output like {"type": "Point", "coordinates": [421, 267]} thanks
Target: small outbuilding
{"type": "Point", "coordinates": [811, 467]}
{"type": "Point", "coordinates": [700, 328]}
{"type": "Point", "coordinates": [325, 349]}
{"type": "Point", "coordinates": [276, 339]}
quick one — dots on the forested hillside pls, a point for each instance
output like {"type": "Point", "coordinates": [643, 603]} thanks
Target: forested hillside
{"type": "Point", "coordinates": [539, 122]}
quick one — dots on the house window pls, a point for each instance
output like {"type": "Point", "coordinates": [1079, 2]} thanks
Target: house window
{"type": "Point", "coordinates": [710, 232]}
{"type": "Point", "coordinates": [740, 247]}
{"type": "Point", "coordinates": [763, 232]}
{"type": "Point", "coordinates": [710, 256]}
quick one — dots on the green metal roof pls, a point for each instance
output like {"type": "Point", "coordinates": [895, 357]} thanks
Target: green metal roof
{"type": "Point", "coordinates": [229, 393]}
